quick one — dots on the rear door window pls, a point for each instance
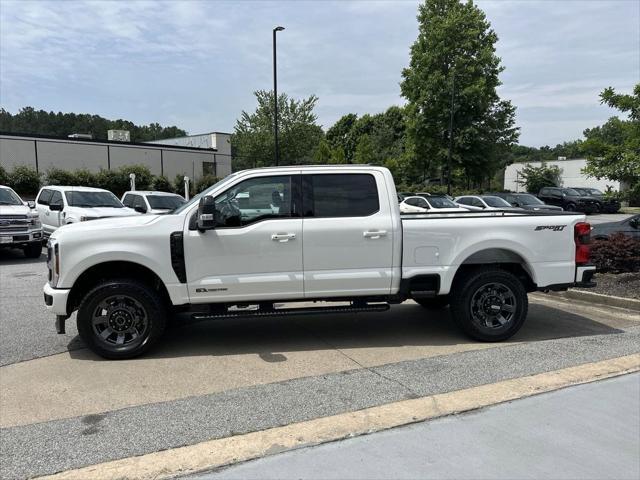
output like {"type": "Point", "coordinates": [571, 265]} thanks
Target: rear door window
{"type": "Point", "coordinates": [340, 195]}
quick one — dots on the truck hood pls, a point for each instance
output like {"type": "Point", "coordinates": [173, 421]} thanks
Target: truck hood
{"type": "Point", "coordinates": [14, 210]}
{"type": "Point", "coordinates": [103, 224]}
{"type": "Point", "coordinates": [99, 212]}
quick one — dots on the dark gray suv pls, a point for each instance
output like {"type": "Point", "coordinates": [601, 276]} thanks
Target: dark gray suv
{"type": "Point", "coordinates": [526, 201]}
{"type": "Point", "coordinates": [569, 199]}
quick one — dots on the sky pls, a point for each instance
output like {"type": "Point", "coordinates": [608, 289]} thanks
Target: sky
{"type": "Point", "coordinates": [196, 64]}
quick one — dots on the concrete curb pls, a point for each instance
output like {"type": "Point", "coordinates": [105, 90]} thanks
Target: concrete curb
{"type": "Point", "coordinates": [600, 299]}
{"type": "Point", "coordinates": [221, 452]}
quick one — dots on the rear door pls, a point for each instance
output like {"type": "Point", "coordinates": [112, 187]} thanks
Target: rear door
{"type": "Point", "coordinates": [347, 235]}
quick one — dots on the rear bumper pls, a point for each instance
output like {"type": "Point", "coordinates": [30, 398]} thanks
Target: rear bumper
{"type": "Point", "coordinates": [584, 279]}
{"type": "Point", "coordinates": [56, 299]}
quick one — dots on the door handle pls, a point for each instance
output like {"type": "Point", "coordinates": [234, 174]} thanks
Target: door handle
{"type": "Point", "coordinates": [283, 237]}
{"type": "Point", "coordinates": [375, 234]}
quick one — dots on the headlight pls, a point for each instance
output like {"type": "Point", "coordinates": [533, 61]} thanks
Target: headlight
{"type": "Point", "coordinates": [34, 219]}
{"type": "Point", "coordinates": [53, 262]}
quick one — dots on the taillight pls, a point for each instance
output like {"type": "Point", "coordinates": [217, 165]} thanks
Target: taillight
{"type": "Point", "coordinates": [582, 237]}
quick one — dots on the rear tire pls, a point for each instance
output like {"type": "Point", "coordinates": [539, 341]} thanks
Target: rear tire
{"type": "Point", "coordinates": [33, 250]}
{"type": "Point", "coordinates": [121, 319]}
{"type": "Point", "coordinates": [436, 303]}
{"type": "Point", "coordinates": [489, 305]}
{"type": "Point", "coordinates": [571, 207]}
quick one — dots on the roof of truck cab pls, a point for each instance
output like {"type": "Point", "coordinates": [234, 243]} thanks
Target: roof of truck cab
{"type": "Point", "coordinates": [151, 192]}
{"type": "Point", "coordinates": [70, 188]}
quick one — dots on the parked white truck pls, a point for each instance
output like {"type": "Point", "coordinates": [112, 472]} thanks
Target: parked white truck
{"type": "Point", "coordinates": [275, 236]}
{"type": "Point", "coordinates": [19, 224]}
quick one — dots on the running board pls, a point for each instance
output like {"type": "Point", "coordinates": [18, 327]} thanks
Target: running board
{"type": "Point", "coordinates": [277, 312]}
{"type": "Point", "coordinates": [423, 294]}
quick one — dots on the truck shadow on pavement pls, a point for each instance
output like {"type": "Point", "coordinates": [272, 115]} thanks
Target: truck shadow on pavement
{"type": "Point", "coordinates": [406, 325]}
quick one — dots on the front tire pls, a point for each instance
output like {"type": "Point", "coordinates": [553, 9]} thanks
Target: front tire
{"type": "Point", "coordinates": [121, 319]}
{"type": "Point", "coordinates": [489, 305]}
{"type": "Point", "coordinates": [33, 250]}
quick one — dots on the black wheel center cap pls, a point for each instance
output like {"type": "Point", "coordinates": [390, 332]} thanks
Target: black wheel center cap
{"type": "Point", "coordinates": [120, 320]}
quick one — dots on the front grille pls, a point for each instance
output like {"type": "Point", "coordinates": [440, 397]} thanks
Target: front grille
{"type": "Point", "coordinates": [14, 223]}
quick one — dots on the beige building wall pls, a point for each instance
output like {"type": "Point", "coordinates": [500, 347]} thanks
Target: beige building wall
{"type": "Point", "coordinates": [15, 151]}
{"type": "Point", "coordinates": [132, 155]}
{"type": "Point", "coordinates": [71, 156]}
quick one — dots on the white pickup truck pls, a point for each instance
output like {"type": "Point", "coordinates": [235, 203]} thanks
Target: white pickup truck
{"type": "Point", "coordinates": [261, 240]}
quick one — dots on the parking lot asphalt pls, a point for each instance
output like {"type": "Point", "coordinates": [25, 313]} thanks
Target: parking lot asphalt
{"type": "Point", "coordinates": [61, 407]}
{"type": "Point", "coordinates": [545, 436]}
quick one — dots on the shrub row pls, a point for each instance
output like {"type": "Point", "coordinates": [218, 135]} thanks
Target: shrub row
{"type": "Point", "coordinates": [619, 254]}
{"type": "Point", "coordinates": [26, 181]}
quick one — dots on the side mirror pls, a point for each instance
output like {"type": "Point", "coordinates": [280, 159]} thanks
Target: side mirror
{"type": "Point", "coordinates": [55, 207]}
{"type": "Point", "coordinates": [515, 204]}
{"type": "Point", "coordinates": [634, 222]}
{"type": "Point", "coordinates": [140, 209]}
{"type": "Point", "coordinates": [31, 204]}
{"type": "Point", "coordinates": [206, 214]}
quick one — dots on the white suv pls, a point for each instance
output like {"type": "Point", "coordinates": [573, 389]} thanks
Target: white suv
{"type": "Point", "coordinates": [19, 225]}
{"type": "Point", "coordinates": [59, 206]}
{"type": "Point", "coordinates": [144, 201]}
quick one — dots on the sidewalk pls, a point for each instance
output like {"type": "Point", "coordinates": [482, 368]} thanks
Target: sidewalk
{"type": "Point", "coordinates": [587, 431]}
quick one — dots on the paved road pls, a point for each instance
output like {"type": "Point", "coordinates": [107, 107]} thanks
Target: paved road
{"type": "Point", "coordinates": [589, 431]}
{"type": "Point", "coordinates": [606, 217]}
{"type": "Point", "coordinates": [62, 407]}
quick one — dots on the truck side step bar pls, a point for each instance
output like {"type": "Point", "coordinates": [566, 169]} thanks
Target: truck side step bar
{"type": "Point", "coordinates": [276, 312]}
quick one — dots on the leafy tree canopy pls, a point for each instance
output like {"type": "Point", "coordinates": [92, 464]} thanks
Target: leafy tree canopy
{"type": "Point", "coordinates": [31, 121]}
{"type": "Point", "coordinates": [455, 53]}
{"type": "Point", "coordinates": [298, 132]}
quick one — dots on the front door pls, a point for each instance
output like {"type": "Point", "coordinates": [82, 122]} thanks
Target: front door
{"type": "Point", "coordinates": [255, 251]}
{"type": "Point", "coordinates": [348, 235]}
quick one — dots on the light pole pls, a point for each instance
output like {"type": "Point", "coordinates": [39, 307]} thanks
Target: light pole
{"type": "Point", "coordinates": [453, 89]}
{"type": "Point", "coordinates": [275, 94]}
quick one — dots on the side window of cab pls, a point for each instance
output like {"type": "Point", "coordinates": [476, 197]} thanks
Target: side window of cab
{"type": "Point", "coordinates": [44, 197]}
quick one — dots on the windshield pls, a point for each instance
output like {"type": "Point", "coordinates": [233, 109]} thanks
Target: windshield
{"type": "Point", "coordinates": [571, 192]}
{"type": "Point", "coordinates": [197, 197]}
{"type": "Point", "coordinates": [7, 197]}
{"type": "Point", "coordinates": [529, 200]}
{"type": "Point", "coordinates": [92, 199]}
{"type": "Point", "coordinates": [593, 191]}
{"type": "Point", "coordinates": [165, 202]}
{"type": "Point", "coordinates": [496, 202]}
{"type": "Point", "coordinates": [440, 202]}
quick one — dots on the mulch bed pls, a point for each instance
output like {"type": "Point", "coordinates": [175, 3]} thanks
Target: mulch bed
{"type": "Point", "coordinates": [619, 285]}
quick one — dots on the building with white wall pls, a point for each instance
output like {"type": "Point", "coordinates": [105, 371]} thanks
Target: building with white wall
{"type": "Point", "coordinates": [571, 175]}
{"type": "Point", "coordinates": [218, 141]}
{"type": "Point", "coordinates": [43, 152]}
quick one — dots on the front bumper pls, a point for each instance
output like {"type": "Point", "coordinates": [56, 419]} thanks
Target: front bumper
{"type": "Point", "coordinates": [20, 238]}
{"type": "Point", "coordinates": [56, 299]}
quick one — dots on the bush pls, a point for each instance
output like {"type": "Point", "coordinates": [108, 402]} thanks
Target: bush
{"type": "Point", "coordinates": [24, 180]}
{"type": "Point", "coordinates": [85, 178]}
{"type": "Point", "coordinates": [205, 182]}
{"type": "Point", "coordinates": [536, 178]}
{"type": "Point", "coordinates": [57, 176]}
{"type": "Point", "coordinates": [113, 181]}
{"type": "Point", "coordinates": [161, 184]}
{"type": "Point", "coordinates": [620, 253]}
{"type": "Point", "coordinates": [4, 176]}
{"type": "Point", "coordinates": [143, 176]}
{"type": "Point", "coordinates": [178, 185]}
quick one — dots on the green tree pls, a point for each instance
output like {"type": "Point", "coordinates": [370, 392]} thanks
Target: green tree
{"type": "Point", "coordinates": [536, 178]}
{"type": "Point", "coordinates": [455, 53]}
{"type": "Point", "coordinates": [364, 150]}
{"type": "Point", "coordinates": [340, 135]}
{"type": "Point", "coordinates": [613, 149]}
{"type": "Point", "coordinates": [322, 155]}
{"type": "Point", "coordinates": [298, 132]}
{"type": "Point", "coordinates": [4, 176]}
{"type": "Point", "coordinates": [31, 121]}
{"type": "Point", "coordinates": [337, 156]}
{"type": "Point", "coordinates": [161, 183]}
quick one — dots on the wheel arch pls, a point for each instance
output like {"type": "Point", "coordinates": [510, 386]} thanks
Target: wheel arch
{"type": "Point", "coordinates": [500, 257]}
{"type": "Point", "coordinates": [110, 270]}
